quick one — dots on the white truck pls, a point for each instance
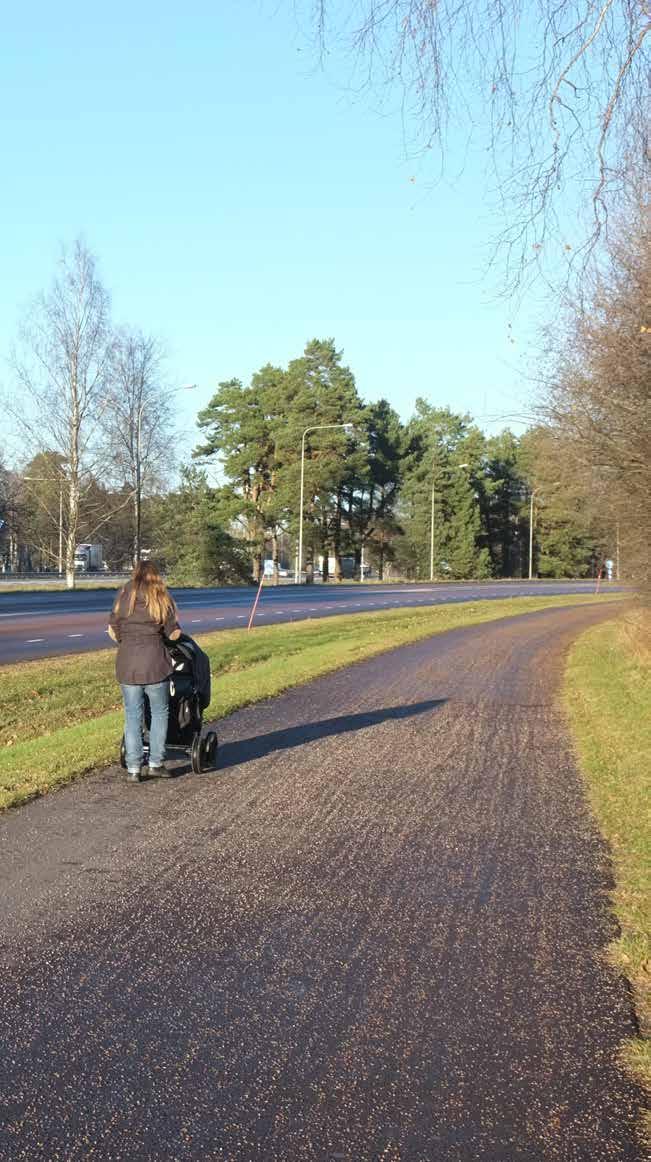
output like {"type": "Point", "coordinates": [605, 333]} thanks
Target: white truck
{"type": "Point", "coordinates": [88, 558]}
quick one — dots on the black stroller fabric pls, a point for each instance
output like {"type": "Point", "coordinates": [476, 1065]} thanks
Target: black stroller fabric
{"type": "Point", "coordinates": [189, 659]}
{"type": "Point", "coordinates": [189, 691]}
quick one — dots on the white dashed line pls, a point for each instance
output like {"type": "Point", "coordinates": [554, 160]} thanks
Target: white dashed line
{"type": "Point", "coordinates": [195, 621]}
{"type": "Point", "coordinates": [75, 635]}
{"type": "Point", "coordinates": [32, 640]}
{"type": "Point", "coordinates": [220, 619]}
{"type": "Point", "coordinates": [241, 617]}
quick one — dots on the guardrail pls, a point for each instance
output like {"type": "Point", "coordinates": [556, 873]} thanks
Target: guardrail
{"type": "Point", "coordinates": [52, 578]}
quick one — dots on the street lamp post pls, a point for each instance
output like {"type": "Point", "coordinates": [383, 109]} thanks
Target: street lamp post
{"type": "Point", "coordinates": [313, 428]}
{"type": "Point", "coordinates": [431, 532]}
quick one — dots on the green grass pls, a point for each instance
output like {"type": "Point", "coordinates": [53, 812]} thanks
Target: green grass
{"type": "Point", "coordinates": [608, 697]}
{"type": "Point", "coordinates": [57, 586]}
{"type": "Point", "coordinates": [62, 717]}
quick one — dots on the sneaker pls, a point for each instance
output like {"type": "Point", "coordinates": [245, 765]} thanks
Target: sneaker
{"type": "Point", "coordinates": [134, 776]}
{"type": "Point", "coordinates": [161, 771]}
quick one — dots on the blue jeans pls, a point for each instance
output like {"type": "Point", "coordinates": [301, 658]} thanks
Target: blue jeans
{"type": "Point", "coordinates": [134, 705]}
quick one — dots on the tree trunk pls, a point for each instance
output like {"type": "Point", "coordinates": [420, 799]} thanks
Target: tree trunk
{"type": "Point", "coordinates": [70, 562]}
{"type": "Point", "coordinates": [137, 511]}
{"type": "Point", "coordinates": [275, 554]}
{"type": "Point", "coordinates": [336, 550]}
{"type": "Point", "coordinates": [324, 556]}
{"type": "Point", "coordinates": [380, 561]}
{"type": "Point", "coordinates": [73, 522]}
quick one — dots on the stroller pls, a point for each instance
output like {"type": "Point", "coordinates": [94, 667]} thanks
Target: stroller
{"type": "Point", "coordinates": [189, 697]}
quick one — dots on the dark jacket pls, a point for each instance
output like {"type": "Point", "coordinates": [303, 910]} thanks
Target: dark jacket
{"type": "Point", "coordinates": [142, 658]}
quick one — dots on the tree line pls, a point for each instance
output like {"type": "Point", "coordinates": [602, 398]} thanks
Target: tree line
{"type": "Point", "coordinates": [432, 497]}
{"type": "Point", "coordinates": [91, 410]}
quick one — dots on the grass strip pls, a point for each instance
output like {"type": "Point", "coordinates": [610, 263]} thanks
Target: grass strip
{"type": "Point", "coordinates": [607, 693]}
{"type": "Point", "coordinates": [61, 717]}
{"type": "Point", "coordinates": [57, 586]}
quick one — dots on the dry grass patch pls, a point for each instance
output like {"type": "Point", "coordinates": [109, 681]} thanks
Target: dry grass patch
{"type": "Point", "coordinates": [608, 695]}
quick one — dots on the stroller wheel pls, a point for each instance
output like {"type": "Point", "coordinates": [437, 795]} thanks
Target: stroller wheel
{"type": "Point", "coordinates": [197, 754]}
{"type": "Point", "coordinates": [210, 746]}
{"type": "Point", "coordinates": [123, 754]}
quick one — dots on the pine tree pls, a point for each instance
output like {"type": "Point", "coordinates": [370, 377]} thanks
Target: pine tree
{"type": "Point", "coordinates": [502, 496]}
{"type": "Point", "coordinates": [320, 391]}
{"type": "Point", "coordinates": [438, 509]}
{"type": "Point", "coordinates": [386, 441]}
{"type": "Point", "coordinates": [196, 548]}
{"type": "Point", "coordinates": [242, 427]}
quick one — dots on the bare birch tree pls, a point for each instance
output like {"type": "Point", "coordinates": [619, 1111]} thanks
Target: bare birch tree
{"type": "Point", "coordinates": [61, 367]}
{"type": "Point", "coordinates": [554, 92]}
{"type": "Point", "coordinates": [139, 421]}
{"type": "Point", "coordinates": [598, 401]}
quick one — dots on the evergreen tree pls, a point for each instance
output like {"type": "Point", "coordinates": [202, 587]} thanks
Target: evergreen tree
{"type": "Point", "coordinates": [502, 497]}
{"type": "Point", "coordinates": [195, 548]}
{"type": "Point", "coordinates": [439, 510]}
{"type": "Point", "coordinates": [386, 441]}
{"type": "Point", "coordinates": [321, 391]}
{"type": "Point", "coordinates": [242, 426]}
{"type": "Point", "coordinates": [571, 533]}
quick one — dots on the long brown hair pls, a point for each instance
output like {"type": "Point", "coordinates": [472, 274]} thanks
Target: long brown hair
{"type": "Point", "coordinates": [147, 582]}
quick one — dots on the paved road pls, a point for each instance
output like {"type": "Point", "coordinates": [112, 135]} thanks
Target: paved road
{"type": "Point", "coordinates": [35, 625]}
{"type": "Point", "coordinates": [374, 934]}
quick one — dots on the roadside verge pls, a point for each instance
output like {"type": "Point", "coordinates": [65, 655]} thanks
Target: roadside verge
{"type": "Point", "coordinates": [60, 718]}
{"type": "Point", "coordinates": [607, 694]}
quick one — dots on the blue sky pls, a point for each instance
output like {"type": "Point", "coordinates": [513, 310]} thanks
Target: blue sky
{"type": "Point", "coordinates": [240, 202]}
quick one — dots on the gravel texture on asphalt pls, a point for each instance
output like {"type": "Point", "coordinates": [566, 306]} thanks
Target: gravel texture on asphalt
{"type": "Point", "coordinates": [376, 933]}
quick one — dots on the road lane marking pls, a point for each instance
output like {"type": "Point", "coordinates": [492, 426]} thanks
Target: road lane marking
{"type": "Point", "coordinates": [75, 635]}
{"type": "Point", "coordinates": [241, 617]}
{"type": "Point", "coordinates": [32, 640]}
{"type": "Point", "coordinates": [220, 619]}
{"type": "Point", "coordinates": [44, 612]}
{"type": "Point", "coordinates": [196, 621]}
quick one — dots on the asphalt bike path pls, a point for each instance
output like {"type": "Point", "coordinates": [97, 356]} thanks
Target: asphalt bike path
{"type": "Point", "coordinates": [36, 625]}
{"type": "Point", "coordinates": [375, 933]}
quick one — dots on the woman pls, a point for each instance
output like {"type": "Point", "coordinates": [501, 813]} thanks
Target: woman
{"type": "Point", "coordinates": [143, 615]}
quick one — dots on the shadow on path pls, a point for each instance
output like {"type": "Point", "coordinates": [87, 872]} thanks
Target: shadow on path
{"type": "Point", "coordinates": [233, 754]}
